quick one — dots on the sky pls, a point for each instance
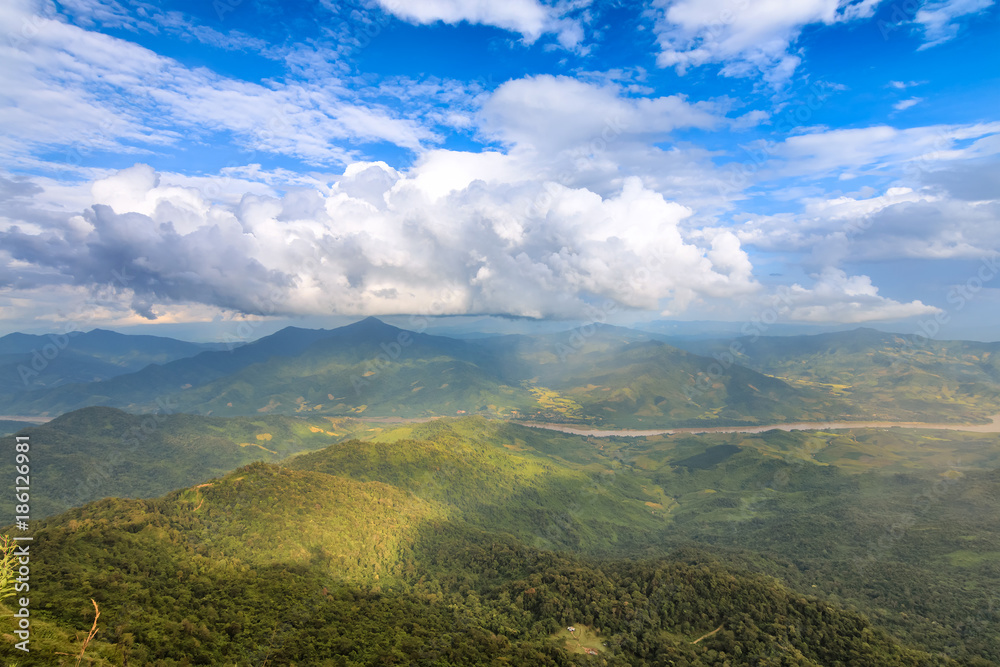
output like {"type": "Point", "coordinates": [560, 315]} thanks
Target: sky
{"type": "Point", "coordinates": [193, 166]}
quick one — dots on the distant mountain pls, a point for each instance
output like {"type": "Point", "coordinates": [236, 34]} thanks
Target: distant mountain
{"type": "Point", "coordinates": [908, 378]}
{"type": "Point", "coordinates": [709, 329]}
{"type": "Point", "coordinates": [8, 426]}
{"type": "Point", "coordinates": [599, 375]}
{"type": "Point", "coordinates": [617, 376]}
{"type": "Point", "coordinates": [157, 385]}
{"type": "Point", "coordinates": [31, 362]}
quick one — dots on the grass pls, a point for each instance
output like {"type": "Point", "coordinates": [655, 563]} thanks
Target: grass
{"type": "Point", "coordinates": [580, 639]}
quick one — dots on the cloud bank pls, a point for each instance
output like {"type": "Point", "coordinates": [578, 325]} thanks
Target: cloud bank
{"type": "Point", "coordinates": [380, 242]}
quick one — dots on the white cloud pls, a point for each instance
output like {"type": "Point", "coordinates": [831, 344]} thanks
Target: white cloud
{"type": "Point", "coordinates": [529, 18]}
{"type": "Point", "coordinates": [66, 89]}
{"type": "Point", "coordinates": [593, 134]}
{"type": "Point", "coordinates": [903, 105]}
{"type": "Point", "coordinates": [747, 38]}
{"type": "Point", "coordinates": [837, 297]}
{"type": "Point", "coordinates": [903, 85]}
{"type": "Point", "coordinates": [557, 113]}
{"type": "Point", "coordinates": [380, 242]}
{"type": "Point", "coordinates": [899, 224]}
{"type": "Point", "coordinates": [910, 151]}
{"type": "Point", "coordinates": [939, 19]}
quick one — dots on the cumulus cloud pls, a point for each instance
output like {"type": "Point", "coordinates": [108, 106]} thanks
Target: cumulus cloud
{"type": "Point", "coordinates": [901, 223]}
{"type": "Point", "coordinates": [746, 38]}
{"type": "Point", "coordinates": [555, 113]}
{"type": "Point", "coordinates": [837, 297]}
{"type": "Point", "coordinates": [381, 242]}
{"type": "Point", "coordinates": [591, 134]}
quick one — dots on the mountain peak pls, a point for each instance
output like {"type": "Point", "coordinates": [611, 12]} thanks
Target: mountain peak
{"type": "Point", "coordinates": [370, 324]}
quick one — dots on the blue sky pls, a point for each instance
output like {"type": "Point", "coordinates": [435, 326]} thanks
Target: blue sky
{"type": "Point", "coordinates": [186, 166]}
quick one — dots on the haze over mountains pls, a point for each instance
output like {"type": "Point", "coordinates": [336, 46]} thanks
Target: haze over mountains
{"type": "Point", "coordinates": [600, 375]}
{"type": "Point", "coordinates": [31, 362]}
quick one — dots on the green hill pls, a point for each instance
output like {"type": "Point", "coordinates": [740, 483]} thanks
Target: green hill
{"type": "Point", "coordinates": [896, 523]}
{"type": "Point", "coordinates": [97, 452]}
{"type": "Point", "coordinates": [11, 426]}
{"type": "Point", "coordinates": [294, 566]}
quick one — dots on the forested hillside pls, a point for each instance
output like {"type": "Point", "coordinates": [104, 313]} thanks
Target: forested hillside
{"type": "Point", "coordinates": [468, 541]}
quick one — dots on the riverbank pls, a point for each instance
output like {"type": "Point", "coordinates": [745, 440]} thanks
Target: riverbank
{"type": "Point", "coordinates": [993, 427]}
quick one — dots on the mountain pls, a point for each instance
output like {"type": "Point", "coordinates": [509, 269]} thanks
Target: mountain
{"type": "Point", "coordinates": [32, 362]}
{"type": "Point", "coordinates": [97, 452]}
{"type": "Point", "coordinates": [11, 426]}
{"type": "Point", "coordinates": [597, 375]}
{"type": "Point", "coordinates": [435, 543]}
{"type": "Point", "coordinates": [161, 382]}
{"type": "Point", "coordinates": [882, 520]}
{"type": "Point", "coordinates": [910, 378]}
{"type": "Point", "coordinates": [373, 369]}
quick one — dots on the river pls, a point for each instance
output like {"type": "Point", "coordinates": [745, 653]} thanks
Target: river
{"type": "Point", "coordinates": [993, 427]}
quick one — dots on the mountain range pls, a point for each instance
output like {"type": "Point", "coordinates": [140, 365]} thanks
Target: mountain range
{"type": "Point", "coordinates": [369, 495]}
{"type": "Point", "coordinates": [601, 375]}
{"type": "Point", "coordinates": [32, 362]}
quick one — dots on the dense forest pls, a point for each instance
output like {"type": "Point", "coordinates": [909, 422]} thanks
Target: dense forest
{"type": "Point", "coordinates": [470, 541]}
{"type": "Point", "coordinates": [232, 584]}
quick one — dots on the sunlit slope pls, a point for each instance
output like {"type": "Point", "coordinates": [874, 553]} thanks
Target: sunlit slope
{"type": "Point", "coordinates": [839, 512]}
{"type": "Point", "coordinates": [299, 566]}
{"type": "Point", "coordinates": [496, 479]}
